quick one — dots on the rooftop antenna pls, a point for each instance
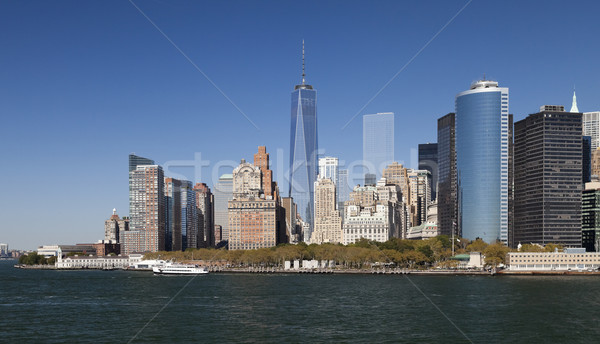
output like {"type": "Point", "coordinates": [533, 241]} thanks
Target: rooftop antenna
{"type": "Point", "coordinates": [303, 74]}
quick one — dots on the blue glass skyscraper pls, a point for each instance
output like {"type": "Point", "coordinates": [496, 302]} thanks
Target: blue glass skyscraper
{"type": "Point", "coordinates": [303, 148]}
{"type": "Point", "coordinates": [482, 154]}
{"type": "Point", "coordinates": [378, 143]}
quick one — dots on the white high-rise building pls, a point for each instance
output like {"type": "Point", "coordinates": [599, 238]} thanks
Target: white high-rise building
{"type": "Point", "coordinates": [591, 127]}
{"type": "Point", "coordinates": [420, 194]}
{"type": "Point", "coordinates": [3, 250]}
{"type": "Point", "coordinates": [328, 168]}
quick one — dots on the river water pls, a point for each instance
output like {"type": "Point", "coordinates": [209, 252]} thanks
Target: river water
{"type": "Point", "coordinates": [120, 307]}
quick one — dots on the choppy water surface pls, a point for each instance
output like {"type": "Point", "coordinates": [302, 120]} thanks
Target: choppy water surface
{"type": "Point", "coordinates": [114, 306]}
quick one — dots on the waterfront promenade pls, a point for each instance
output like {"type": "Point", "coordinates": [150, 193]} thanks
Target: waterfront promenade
{"type": "Point", "coordinates": [348, 271]}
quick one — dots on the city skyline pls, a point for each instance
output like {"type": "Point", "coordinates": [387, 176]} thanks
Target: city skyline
{"type": "Point", "coordinates": [63, 117]}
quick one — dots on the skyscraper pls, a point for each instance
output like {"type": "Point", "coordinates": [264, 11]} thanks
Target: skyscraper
{"type": "Point", "coordinates": [146, 210]}
{"type": "Point", "coordinates": [447, 206]}
{"type": "Point", "coordinates": [591, 127]}
{"type": "Point", "coordinates": [482, 154]}
{"type": "Point", "coordinates": [397, 174]}
{"type": "Point", "coordinates": [328, 168]}
{"type": "Point", "coordinates": [428, 156]}
{"type": "Point", "coordinates": [206, 213]}
{"type": "Point", "coordinates": [590, 217]}
{"type": "Point", "coordinates": [420, 195]}
{"type": "Point", "coordinates": [303, 147]}
{"type": "Point", "coordinates": [172, 214]}
{"type": "Point", "coordinates": [189, 216]}
{"type": "Point", "coordinates": [587, 159]}
{"type": "Point", "coordinates": [328, 222]}
{"type": "Point", "coordinates": [223, 194]}
{"type": "Point", "coordinates": [548, 174]}
{"type": "Point", "coordinates": [343, 190]}
{"type": "Point", "coordinates": [378, 142]}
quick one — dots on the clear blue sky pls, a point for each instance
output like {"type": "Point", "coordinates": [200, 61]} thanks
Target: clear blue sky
{"type": "Point", "coordinates": [85, 83]}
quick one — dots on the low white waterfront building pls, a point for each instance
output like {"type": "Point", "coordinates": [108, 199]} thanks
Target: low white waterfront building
{"type": "Point", "coordinates": [97, 262]}
{"type": "Point", "coordinates": [570, 259]}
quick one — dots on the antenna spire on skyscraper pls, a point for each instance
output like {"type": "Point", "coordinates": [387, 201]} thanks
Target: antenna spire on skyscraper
{"type": "Point", "coordinates": [303, 74]}
{"type": "Point", "coordinates": [574, 105]}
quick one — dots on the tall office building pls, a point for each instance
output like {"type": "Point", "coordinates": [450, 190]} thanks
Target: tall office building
{"type": "Point", "coordinates": [303, 147]}
{"type": "Point", "coordinates": [146, 210]}
{"type": "Point", "coordinates": [446, 197]}
{"type": "Point", "coordinates": [329, 168]}
{"type": "Point", "coordinates": [548, 174]}
{"type": "Point", "coordinates": [591, 127]}
{"type": "Point", "coordinates": [586, 145]}
{"type": "Point", "coordinates": [482, 154]}
{"type": "Point", "coordinates": [590, 217]}
{"type": "Point", "coordinates": [343, 189]}
{"type": "Point", "coordinates": [420, 195]}
{"type": "Point", "coordinates": [595, 165]}
{"type": "Point", "coordinates": [378, 142]}
{"type": "Point", "coordinates": [223, 194]}
{"type": "Point", "coordinates": [172, 214]}
{"type": "Point", "coordinates": [397, 174]}
{"type": "Point", "coordinates": [206, 213]}
{"type": "Point", "coordinates": [428, 160]}
{"type": "Point", "coordinates": [189, 216]}
{"type": "Point", "coordinates": [294, 231]}
{"type": "Point", "coordinates": [328, 222]}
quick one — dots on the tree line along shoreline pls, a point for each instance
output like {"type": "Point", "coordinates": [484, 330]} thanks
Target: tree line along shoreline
{"type": "Point", "coordinates": [401, 253]}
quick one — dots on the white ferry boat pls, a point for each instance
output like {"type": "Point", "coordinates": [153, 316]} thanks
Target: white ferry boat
{"type": "Point", "coordinates": [179, 269]}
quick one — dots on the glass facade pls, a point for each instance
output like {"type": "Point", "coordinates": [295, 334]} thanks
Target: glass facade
{"type": "Point", "coordinates": [172, 214]}
{"type": "Point", "coordinates": [189, 216]}
{"type": "Point", "coordinates": [303, 150]}
{"type": "Point", "coordinates": [135, 161]}
{"type": "Point", "coordinates": [447, 216]}
{"type": "Point", "coordinates": [587, 159]}
{"type": "Point", "coordinates": [591, 127]}
{"type": "Point", "coordinates": [223, 193]}
{"type": "Point", "coordinates": [428, 156]}
{"type": "Point", "coordinates": [482, 136]}
{"type": "Point", "coordinates": [590, 220]}
{"type": "Point", "coordinates": [378, 142]}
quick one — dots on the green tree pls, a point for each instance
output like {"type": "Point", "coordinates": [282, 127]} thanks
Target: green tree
{"type": "Point", "coordinates": [495, 254]}
{"type": "Point", "coordinates": [476, 245]}
{"type": "Point", "coordinates": [531, 248]}
{"type": "Point", "coordinates": [551, 247]}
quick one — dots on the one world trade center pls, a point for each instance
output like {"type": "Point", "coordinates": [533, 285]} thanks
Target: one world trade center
{"type": "Point", "coordinates": [303, 149]}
